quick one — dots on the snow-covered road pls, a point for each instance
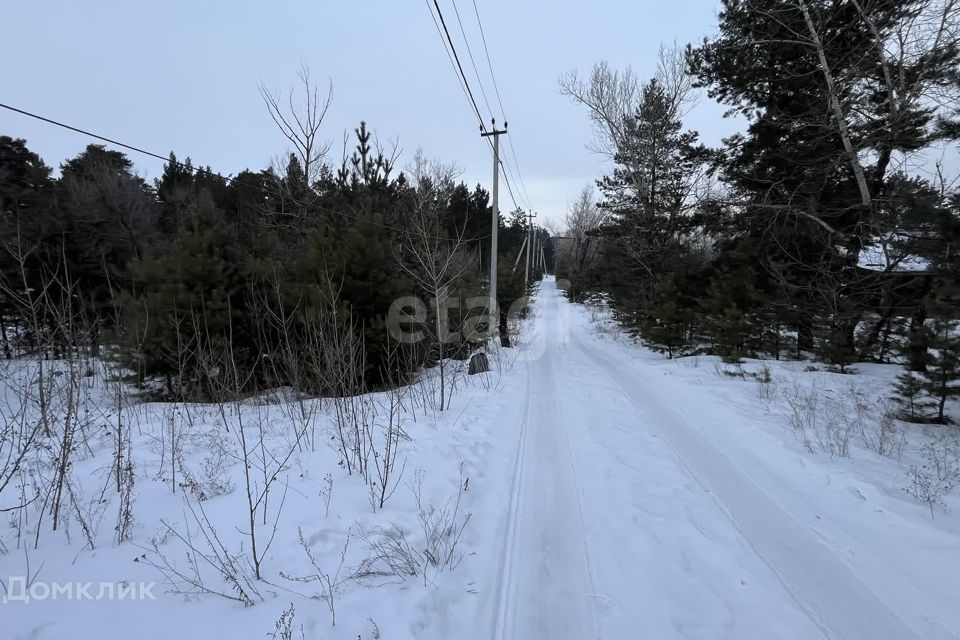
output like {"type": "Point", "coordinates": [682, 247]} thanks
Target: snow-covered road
{"type": "Point", "coordinates": [625, 519]}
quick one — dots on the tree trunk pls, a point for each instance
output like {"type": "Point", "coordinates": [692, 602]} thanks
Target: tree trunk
{"type": "Point", "coordinates": [880, 329]}
{"type": "Point", "coordinates": [837, 109]}
{"type": "Point", "coordinates": [776, 339]}
{"type": "Point", "coordinates": [504, 330]}
{"type": "Point", "coordinates": [7, 352]}
{"type": "Point", "coordinates": [804, 333]}
{"type": "Point", "coordinates": [917, 347]}
{"type": "Point", "coordinates": [848, 339]}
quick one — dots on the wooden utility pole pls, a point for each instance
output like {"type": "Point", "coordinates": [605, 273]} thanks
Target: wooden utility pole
{"type": "Point", "coordinates": [495, 223]}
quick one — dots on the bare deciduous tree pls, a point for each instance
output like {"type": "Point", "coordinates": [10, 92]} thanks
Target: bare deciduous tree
{"type": "Point", "coordinates": [300, 124]}
{"type": "Point", "coordinates": [583, 218]}
{"type": "Point", "coordinates": [611, 96]}
{"type": "Point", "coordinates": [673, 74]}
{"type": "Point", "coordinates": [434, 259]}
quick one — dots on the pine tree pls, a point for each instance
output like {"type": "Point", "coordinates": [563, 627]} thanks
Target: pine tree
{"type": "Point", "coordinates": [835, 345]}
{"type": "Point", "coordinates": [828, 106]}
{"type": "Point", "coordinates": [666, 330]}
{"type": "Point", "coordinates": [932, 376]}
{"type": "Point", "coordinates": [646, 197]}
{"type": "Point", "coordinates": [189, 308]}
{"type": "Point", "coordinates": [933, 346]}
{"type": "Point", "coordinates": [909, 395]}
{"type": "Point", "coordinates": [28, 233]}
{"type": "Point", "coordinates": [109, 215]}
{"type": "Point", "coordinates": [175, 191]}
{"type": "Point", "coordinates": [730, 303]}
{"type": "Point", "coordinates": [941, 380]}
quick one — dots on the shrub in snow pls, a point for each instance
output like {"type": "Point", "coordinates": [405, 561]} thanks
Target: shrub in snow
{"type": "Point", "coordinates": [209, 566]}
{"type": "Point", "coordinates": [390, 554]}
{"type": "Point", "coordinates": [329, 582]}
{"type": "Point", "coordinates": [734, 370]}
{"type": "Point", "coordinates": [764, 375]}
{"type": "Point", "coordinates": [437, 549]}
{"type": "Point", "coordinates": [828, 423]}
{"type": "Point", "coordinates": [936, 477]}
{"type": "Point", "coordinates": [766, 389]}
{"type": "Point", "coordinates": [880, 433]}
{"type": "Point", "coordinates": [283, 628]}
{"type": "Point", "coordinates": [326, 492]}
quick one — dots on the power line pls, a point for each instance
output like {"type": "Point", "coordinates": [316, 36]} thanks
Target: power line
{"type": "Point", "coordinates": [199, 170]}
{"type": "Point", "coordinates": [483, 38]}
{"type": "Point", "coordinates": [496, 88]}
{"type": "Point", "coordinates": [465, 82]}
{"type": "Point", "coordinates": [516, 162]}
{"type": "Point", "coordinates": [473, 62]}
{"type": "Point", "coordinates": [456, 57]}
{"type": "Point", "coordinates": [506, 178]}
{"type": "Point", "coordinates": [84, 132]}
{"type": "Point", "coordinates": [446, 49]}
{"type": "Point", "coordinates": [466, 86]}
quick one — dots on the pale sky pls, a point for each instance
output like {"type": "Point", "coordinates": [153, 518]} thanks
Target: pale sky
{"type": "Point", "coordinates": [183, 75]}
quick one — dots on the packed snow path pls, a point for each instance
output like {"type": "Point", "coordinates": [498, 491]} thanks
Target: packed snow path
{"type": "Point", "coordinates": [627, 520]}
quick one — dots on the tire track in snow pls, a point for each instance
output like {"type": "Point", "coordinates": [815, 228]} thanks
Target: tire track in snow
{"type": "Point", "coordinates": [551, 392]}
{"type": "Point", "coordinates": [505, 570]}
{"type": "Point", "coordinates": [545, 586]}
{"type": "Point", "coordinates": [834, 598]}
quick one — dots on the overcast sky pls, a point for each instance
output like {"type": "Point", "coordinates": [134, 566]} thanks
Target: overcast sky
{"type": "Point", "coordinates": [183, 75]}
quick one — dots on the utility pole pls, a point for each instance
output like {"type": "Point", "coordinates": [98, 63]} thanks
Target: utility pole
{"type": "Point", "coordinates": [535, 241]}
{"type": "Point", "coordinates": [523, 247]}
{"type": "Point", "coordinates": [536, 249]}
{"type": "Point", "coordinates": [495, 223]}
{"type": "Point", "coordinates": [531, 256]}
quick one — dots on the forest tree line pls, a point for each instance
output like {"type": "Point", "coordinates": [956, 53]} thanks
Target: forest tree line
{"type": "Point", "coordinates": [829, 227]}
{"type": "Point", "coordinates": [211, 286]}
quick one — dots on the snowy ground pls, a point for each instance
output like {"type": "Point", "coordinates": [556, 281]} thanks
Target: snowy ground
{"type": "Point", "coordinates": [198, 508]}
{"type": "Point", "coordinates": [612, 494]}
